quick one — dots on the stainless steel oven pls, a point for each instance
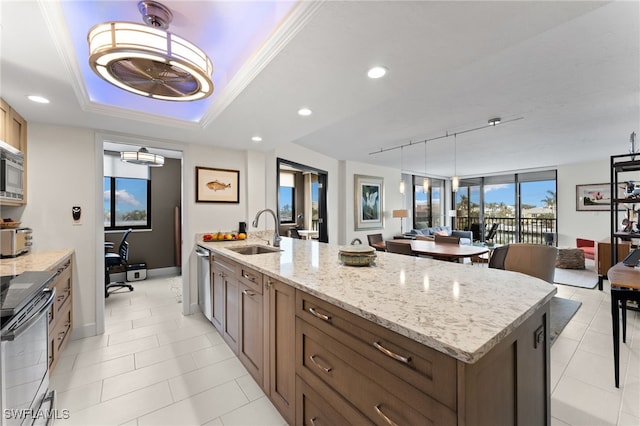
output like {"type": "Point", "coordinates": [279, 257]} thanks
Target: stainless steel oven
{"type": "Point", "coordinates": [25, 301]}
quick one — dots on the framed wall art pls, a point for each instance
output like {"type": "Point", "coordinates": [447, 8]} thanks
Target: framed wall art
{"type": "Point", "coordinates": [217, 185]}
{"type": "Point", "coordinates": [368, 201]}
{"type": "Point", "coordinates": [594, 197]}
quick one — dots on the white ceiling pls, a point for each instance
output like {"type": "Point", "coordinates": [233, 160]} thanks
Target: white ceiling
{"type": "Point", "coordinates": [569, 69]}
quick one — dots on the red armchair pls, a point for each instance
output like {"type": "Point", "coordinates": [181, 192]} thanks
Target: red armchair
{"type": "Point", "coordinates": [587, 246]}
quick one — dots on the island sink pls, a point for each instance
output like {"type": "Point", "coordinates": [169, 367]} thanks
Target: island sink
{"type": "Point", "coordinates": [255, 249]}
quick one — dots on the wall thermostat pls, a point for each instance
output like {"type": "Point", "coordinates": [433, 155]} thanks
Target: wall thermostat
{"type": "Point", "coordinates": [76, 211]}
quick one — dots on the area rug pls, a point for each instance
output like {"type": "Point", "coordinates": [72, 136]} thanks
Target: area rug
{"type": "Point", "coordinates": [585, 278]}
{"type": "Point", "coordinates": [562, 310]}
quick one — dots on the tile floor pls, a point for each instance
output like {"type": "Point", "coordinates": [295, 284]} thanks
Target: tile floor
{"type": "Point", "coordinates": [154, 366]}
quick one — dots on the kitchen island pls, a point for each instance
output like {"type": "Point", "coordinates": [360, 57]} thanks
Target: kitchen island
{"type": "Point", "coordinates": [478, 336]}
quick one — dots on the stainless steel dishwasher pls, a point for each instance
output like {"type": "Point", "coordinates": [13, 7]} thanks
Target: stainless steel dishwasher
{"type": "Point", "coordinates": [204, 281]}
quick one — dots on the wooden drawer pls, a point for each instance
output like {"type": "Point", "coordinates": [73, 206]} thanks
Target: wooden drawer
{"type": "Point", "coordinates": [430, 371]}
{"type": "Point", "coordinates": [59, 335]}
{"type": "Point", "coordinates": [225, 266]}
{"type": "Point", "coordinates": [250, 278]}
{"type": "Point", "coordinates": [318, 405]}
{"type": "Point", "coordinates": [63, 289]}
{"type": "Point", "coordinates": [379, 395]}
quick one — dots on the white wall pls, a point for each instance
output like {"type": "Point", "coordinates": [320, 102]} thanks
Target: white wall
{"type": "Point", "coordinates": [61, 174]}
{"type": "Point", "coordinates": [593, 225]}
{"type": "Point", "coordinates": [392, 199]}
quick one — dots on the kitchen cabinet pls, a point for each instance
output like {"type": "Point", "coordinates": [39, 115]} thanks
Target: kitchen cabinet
{"type": "Point", "coordinates": [61, 312]}
{"type": "Point", "coordinates": [347, 366]}
{"type": "Point", "coordinates": [226, 308]}
{"type": "Point", "coordinates": [280, 382]}
{"type": "Point", "coordinates": [221, 271]}
{"type": "Point", "coordinates": [13, 131]}
{"type": "Point", "coordinates": [250, 339]}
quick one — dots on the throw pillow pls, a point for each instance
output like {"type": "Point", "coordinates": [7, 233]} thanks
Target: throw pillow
{"type": "Point", "coordinates": [442, 233]}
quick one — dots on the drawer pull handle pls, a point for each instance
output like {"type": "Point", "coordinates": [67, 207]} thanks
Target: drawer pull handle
{"type": "Point", "coordinates": [312, 420]}
{"type": "Point", "coordinates": [319, 315]}
{"type": "Point", "coordinates": [325, 369]}
{"type": "Point", "coordinates": [248, 293]}
{"type": "Point", "coordinates": [391, 354]}
{"type": "Point", "coordinates": [249, 277]}
{"type": "Point", "coordinates": [384, 416]}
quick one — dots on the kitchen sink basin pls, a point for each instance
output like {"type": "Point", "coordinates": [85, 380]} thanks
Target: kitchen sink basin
{"type": "Point", "coordinates": [255, 249]}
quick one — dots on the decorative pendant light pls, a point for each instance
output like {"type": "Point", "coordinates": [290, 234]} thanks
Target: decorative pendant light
{"type": "Point", "coordinates": [148, 60]}
{"type": "Point", "coordinates": [425, 180]}
{"type": "Point", "coordinates": [142, 157]}
{"type": "Point", "coordinates": [455, 182]}
{"type": "Point", "coordinates": [401, 180]}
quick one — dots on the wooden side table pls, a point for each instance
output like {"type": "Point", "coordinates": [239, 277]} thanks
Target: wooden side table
{"type": "Point", "coordinates": [603, 257]}
{"type": "Point", "coordinates": [625, 285]}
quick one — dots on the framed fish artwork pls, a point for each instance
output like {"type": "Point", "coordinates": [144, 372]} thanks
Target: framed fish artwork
{"type": "Point", "coordinates": [368, 202]}
{"type": "Point", "coordinates": [217, 185]}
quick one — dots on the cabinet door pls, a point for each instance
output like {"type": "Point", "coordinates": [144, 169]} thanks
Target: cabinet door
{"type": "Point", "coordinates": [250, 346]}
{"type": "Point", "coordinates": [217, 296]}
{"type": "Point", "coordinates": [231, 313]}
{"type": "Point", "coordinates": [4, 120]}
{"type": "Point", "coordinates": [281, 316]}
{"type": "Point", "coordinates": [17, 131]}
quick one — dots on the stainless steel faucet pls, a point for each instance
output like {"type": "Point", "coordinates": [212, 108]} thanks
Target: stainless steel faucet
{"type": "Point", "coordinates": [276, 235]}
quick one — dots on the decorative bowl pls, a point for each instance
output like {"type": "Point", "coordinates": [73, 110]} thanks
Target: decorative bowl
{"type": "Point", "coordinates": [357, 255]}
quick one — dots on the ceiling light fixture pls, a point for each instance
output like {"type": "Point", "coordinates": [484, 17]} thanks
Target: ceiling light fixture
{"type": "Point", "coordinates": [425, 180]}
{"type": "Point", "coordinates": [377, 72]}
{"type": "Point", "coordinates": [256, 139]}
{"type": "Point", "coordinates": [401, 179]}
{"type": "Point", "coordinates": [305, 112]}
{"type": "Point", "coordinates": [148, 60]}
{"type": "Point", "coordinates": [142, 157]}
{"type": "Point", "coordinates": [494, 121]}
{"type": "Point", "coordinates": [455, 182]}
{"type": "Point", "coordinates": [38, 99]}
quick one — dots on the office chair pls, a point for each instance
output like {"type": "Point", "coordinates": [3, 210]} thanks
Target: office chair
{"type": "Point", "coordinates": [293, 233]}
{"type": "Point", "coordinates": [116, 259]}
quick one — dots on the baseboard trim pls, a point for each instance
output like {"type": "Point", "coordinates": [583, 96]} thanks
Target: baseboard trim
{"type": "Point", "coordinates": [80, 332]}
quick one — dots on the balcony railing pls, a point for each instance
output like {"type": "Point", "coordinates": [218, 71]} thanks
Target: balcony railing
{"type": "Point", "coordinates": [531, 230]}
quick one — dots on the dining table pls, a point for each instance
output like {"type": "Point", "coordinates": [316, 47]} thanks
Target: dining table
{"type": "Point", "coordinates": [446, 251]}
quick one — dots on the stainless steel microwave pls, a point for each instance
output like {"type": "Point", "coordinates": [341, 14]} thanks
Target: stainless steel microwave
{"type": "Point", "coordinates": [11, 173]}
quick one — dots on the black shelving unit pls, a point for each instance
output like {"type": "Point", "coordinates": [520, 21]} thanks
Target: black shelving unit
{"type": "Point", "coordinates": [621, 164]}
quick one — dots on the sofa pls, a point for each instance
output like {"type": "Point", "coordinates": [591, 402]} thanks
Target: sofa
{"type": "Point", "coordinates": [466, 237]}
{"type": "Point", "coordinates": [588, 247]}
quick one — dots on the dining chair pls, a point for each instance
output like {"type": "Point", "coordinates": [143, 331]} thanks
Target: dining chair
{"type": "Point", "coordinates": [446, 239]}
{"type": "Point", "coordinates": [375, 238]}
{"type": "Point", "coordinates": [535, 260]}
{"type": "Point", "coordinates": [400, 248]}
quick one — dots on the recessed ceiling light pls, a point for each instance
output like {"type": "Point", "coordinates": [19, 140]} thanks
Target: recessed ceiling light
{"type": "Point", "coordinates": [377, 72]}
{"type": "Point", "coordinates": [38, 99]}
{"type": "Point", "coordinates": [256, 139]}
{"type": "Point", "coordinates": [304, 112]}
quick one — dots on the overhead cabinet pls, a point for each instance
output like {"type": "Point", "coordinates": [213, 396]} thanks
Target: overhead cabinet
{"type": "Point", "coordinates": [13, 131]}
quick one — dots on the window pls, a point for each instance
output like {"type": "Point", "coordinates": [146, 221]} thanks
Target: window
{"type": "Point", "coordinates": [127, 203]}
{"type": "Point", "coordinates": [427, 206]}
{"type": "Point", "coordinates": [287, 198]}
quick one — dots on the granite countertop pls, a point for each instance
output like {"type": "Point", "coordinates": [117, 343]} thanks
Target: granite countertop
{"type": "Point", "coordinates": [38, 261]}
{"type": "Point", "coordinates": [459, 309]}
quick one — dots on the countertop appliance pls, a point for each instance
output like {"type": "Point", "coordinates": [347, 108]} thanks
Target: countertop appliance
{"type": "Point", "coordinates": [11, 173]}
{"type": "Point", "coordinates": [15, 241]}
{"type": "Point", "coordinates": [25, 301]}
{"type": "Point", "coordinates": [204, 282]}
